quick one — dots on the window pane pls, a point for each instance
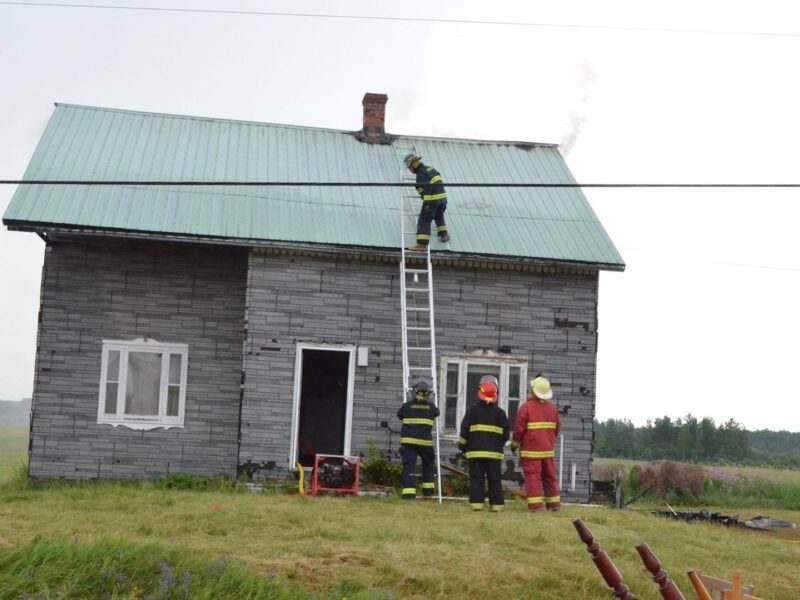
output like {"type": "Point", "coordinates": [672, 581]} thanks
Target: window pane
{"type": "Point", "coordinates": [474, 374]}
{"type": "Point", "coordinates": [450, 413]}
{"type": "Point", "coordinates": [144, 383]}
{"type": "Point", "coordinates": [513, 408]}
{"type": "Point", "coordinates": [173, 400]}
{"type": "Point", "coordinates": [452, 379]}
{"type": "Point", "coordinates": [111, 398]}
{"type": "Point", "coordinates": [112, 370]}
{"type": "Point", "coordinates": [451, 396]}
{"type": "Point", "coordinates": [174, 369]}
{"type": "Point", "coordinates": [514, 375]}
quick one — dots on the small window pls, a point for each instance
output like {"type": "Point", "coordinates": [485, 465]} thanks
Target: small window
{"type": "Point", "coordinates": [143, 384]}
{"type": "Point", "coordinates": [461, 380]}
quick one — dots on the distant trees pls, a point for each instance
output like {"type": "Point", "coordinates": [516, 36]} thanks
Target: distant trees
{"type": "Point", "coordinates": [689, 440]}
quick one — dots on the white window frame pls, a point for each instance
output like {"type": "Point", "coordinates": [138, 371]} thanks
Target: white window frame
{"type": "Point", "coordinates": [505, 363]}
{"type": "Point", "coordinates": [298, 379]}
{"type": "Point", "coordinates": [143, 422]}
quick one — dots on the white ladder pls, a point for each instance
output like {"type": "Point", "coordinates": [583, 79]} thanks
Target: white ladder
{"type": "Point", "coordinates": [416, 300]}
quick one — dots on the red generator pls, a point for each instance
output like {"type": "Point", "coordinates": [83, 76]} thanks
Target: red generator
{"type": "Point", "coordinates": [335, 473]}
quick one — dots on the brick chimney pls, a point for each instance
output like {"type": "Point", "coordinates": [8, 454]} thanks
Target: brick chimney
{"type": "Point", "coordinates": [373, 131]}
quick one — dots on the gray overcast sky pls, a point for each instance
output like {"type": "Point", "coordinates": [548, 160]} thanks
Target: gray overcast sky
{"type": "Point", "coordinates": [704, 320]}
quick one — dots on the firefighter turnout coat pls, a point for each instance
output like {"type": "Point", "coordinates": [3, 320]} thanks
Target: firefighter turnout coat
{"type": "Point", "coordinates": [418, 417]}
{"type": "Point", "coordinates": [535, 433]}
{"type": "Point", "coordinates": [429, 184]}
{"type": "Point", "coordinates": [484, 431]}
{"type": "Point", "coordinates": [434, 204]}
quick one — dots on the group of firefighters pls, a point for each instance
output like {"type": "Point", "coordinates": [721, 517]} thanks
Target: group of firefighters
{"type": "Point", "coordinates": [483, 434]}
{"type": "Point", "coordinates": [485, 428]}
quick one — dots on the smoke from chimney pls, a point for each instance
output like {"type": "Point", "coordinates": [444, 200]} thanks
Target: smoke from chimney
{"type": "Point", "coordinates": [577, 115]}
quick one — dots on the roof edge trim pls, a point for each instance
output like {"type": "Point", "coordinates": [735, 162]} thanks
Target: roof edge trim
{"type": "Point", "coordinates": [370, 252]}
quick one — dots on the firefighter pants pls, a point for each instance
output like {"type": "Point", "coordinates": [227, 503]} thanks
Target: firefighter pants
{"type": "Point", "coordinates": [481, 469]}
{"type": "Point", "coordinates": [539, 473]}
{"type": "Point", "coordinates": [433, 210]}
{"type": "Point", "coordinates": [409, 453]}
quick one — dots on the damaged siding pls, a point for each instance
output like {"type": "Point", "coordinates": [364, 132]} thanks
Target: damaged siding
{"type": "Point", "coordinates": [322, 301]}
{"type": "Point", "coordinates": [548, 319]}
{"type": "Point", "coordinates": [111, 290]}
{"type": "Point", "coordinates": [206, 297]}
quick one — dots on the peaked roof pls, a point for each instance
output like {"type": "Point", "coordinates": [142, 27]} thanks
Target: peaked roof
{"type": "Point", "coordinates": [87, 143]}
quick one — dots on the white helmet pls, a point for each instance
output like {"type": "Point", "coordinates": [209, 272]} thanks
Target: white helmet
{"type": "Point", "coordinates": [540, 387]}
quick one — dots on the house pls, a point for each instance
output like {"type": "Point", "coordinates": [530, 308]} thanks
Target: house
{"type": "Point", "coordinates": [229, 329]}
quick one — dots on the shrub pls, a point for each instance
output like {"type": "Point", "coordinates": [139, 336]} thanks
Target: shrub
{"type": "Point", "coordinates": [455, 485]}
{"type": "Point", "coordinates": [668, 477]}
{"type": "Point", "coordinates": [378, 470]}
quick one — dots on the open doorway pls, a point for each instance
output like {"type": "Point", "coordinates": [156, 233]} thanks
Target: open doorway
{"type": "Point", "coordinates": [323, 398]}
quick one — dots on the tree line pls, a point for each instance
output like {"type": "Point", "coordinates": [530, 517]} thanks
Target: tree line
{"type": "Point", "coordinates": [689, 439]}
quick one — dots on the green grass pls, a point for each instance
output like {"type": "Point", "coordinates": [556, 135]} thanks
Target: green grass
{"type": "Point", "coordinates": [359, 548]}
{"type": "Point", "coordinates": [191, 538]}
{"type": "Point", "coordinates": [61, 568]}
{"type": "Point", "coordinates": [13, 451]}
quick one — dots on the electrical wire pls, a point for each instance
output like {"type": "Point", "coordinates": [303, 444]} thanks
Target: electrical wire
{"type": "Point", "coordinates": [374, 184]}
{"type": "Point", "coordinates": [694, 259]}
{"type": "Point", "coordinates": [408, 19]}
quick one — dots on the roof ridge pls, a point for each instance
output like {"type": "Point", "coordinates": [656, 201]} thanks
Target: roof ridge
{"type": "Point", "coordinates": [521, 144]}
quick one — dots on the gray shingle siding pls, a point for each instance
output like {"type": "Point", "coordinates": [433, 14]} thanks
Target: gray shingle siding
{"type": "Point", "coordinates": [112, 290]}
{"type": "Point", "coordinates": [550, 319]}
{"type": "Point", "coordinates": [248, 312]}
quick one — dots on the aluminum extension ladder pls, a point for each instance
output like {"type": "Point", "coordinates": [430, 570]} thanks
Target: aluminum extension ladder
{"type": "Point", "coordinates": [416, 300]}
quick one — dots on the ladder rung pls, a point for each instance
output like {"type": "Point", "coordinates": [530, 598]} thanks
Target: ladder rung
{"type": "Point", "coordinates": [418, 348]}
{"type": "Point", "coordinates": [418, 309]}
{"type": "Point", "coordinates": [416, 271]}
{"type": "Point", "coordinates": [415, 290]}
{"type": "Point", "coordinates": [419, 368]}
{"type": "Point", "coordinates": [418, 328]}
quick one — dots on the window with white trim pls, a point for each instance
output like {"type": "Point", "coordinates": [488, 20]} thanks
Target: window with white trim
{"type": "Point", "coordinates": [142, 384]}
{"type": "Point", "coordinates": [460, 379]}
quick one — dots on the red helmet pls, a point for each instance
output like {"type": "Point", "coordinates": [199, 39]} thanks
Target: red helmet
{"type": "Point", "coordinates": [487, 391]}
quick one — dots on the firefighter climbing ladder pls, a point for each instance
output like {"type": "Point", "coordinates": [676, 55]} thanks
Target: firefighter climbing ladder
{"type": "Point", "coordinates": [416, 300]}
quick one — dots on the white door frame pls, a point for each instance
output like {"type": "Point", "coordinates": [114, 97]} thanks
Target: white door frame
{"type": "Point", "coordinates": [298, 382]}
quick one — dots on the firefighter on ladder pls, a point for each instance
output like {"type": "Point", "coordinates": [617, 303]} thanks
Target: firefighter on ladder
{"type": "Point", "coordinates": [434, 202]}
{"type": "Point", "coordinates": [418, 416]}
{"type": "Point", "coordinates": [484, 432]}
{"type": "Point", "coordinates": [535, 433]}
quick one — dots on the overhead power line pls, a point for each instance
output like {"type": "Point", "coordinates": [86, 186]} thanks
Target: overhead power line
{"type": "Point", "coordinates": [694, 259]}
{"type": "Point", "coordinates": [373, 184]}
{"type": "Point", "coordinates": [408, 19]}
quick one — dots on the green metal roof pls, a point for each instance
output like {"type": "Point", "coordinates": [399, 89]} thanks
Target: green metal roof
{"type": "Point", "coordinates": [86, 143]}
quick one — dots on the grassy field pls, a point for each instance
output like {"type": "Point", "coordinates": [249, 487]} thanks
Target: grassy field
{"type": "Point", "coordinates": [13, 446]}
{"type": "Point", "coordinates": [97, 540]}
{"type": "Point", "coordinates": [791, 476]}
{"type": "Point", "coordinates": [747, 489]}
{"type": "Point", "coordinates": [373, 548]}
